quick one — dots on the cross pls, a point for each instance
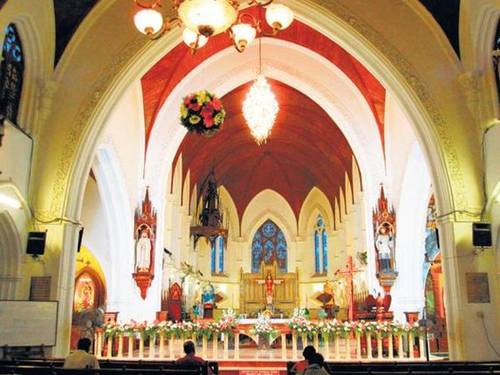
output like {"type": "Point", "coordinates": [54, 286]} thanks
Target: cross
{"type": "Point", "coordinates": [348, 274]}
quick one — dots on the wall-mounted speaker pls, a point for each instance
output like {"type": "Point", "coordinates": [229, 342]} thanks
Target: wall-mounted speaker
{"type": "Point", "coordinates": [36, 243]}
{"type": "Point", "coordinates": [481, 235]}
{"type": "Point", "coordinates": [80, 238]}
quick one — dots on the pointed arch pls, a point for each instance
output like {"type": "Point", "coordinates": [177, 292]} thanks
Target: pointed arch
{"type": "Point", "coordinates": [10, 256]}
{"type": "Point", "coordinates": [315, 203]}
{"type": "Point", "coordinates": [269, 245]}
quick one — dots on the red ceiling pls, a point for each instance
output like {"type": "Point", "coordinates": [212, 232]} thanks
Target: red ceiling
{"type": "Point", "coordinates": [162, 78]}
{"type": "Point", "coordinates": [305, 149]}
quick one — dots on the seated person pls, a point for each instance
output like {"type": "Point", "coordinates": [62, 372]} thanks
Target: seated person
{"type": "Point", "coordinates": [316, 366]}
{"type": "Point", "coordinates": [300, 366]}
{"type": "Point", "coordinates": [81, 358]}
{"type": "Point", "coordinates": [190, 358]}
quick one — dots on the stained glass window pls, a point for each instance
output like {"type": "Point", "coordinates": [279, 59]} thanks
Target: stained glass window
{"type": "Point", "coordinates": [317, 255]}
{"type": "Point", "coordinates": [431, 236]}
{"type": "Point", "coordinates": [11, 74]}
{"type": "Point", "coordinates": [320, 246]}
{"type": "Point", "coordinates": [220, 243]}
{"type": "Point", "coordinates": [268, 245]}
{"type": "Point", "coordinates": [496, 59]}
{"type": "Point", "coordinates": [217, 254]}
{"type": "Point", "coordinates": [213, 256]}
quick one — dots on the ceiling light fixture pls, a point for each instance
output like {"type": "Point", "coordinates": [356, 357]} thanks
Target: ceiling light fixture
{"type": "Point", "coordinates": [260, 106]}
{"type": "Point", "coordinates": [205, 18]}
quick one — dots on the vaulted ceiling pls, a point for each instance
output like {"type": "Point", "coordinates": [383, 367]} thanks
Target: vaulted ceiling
{"type": "Point", "coordinates": [166, 74]}
{"type": "Point", "coordinates": [305, 149]}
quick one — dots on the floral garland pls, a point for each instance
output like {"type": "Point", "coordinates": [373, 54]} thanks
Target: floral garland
{"type": "Point", "coordinates": [299, 324]}
{"type": "Point", "coordinates": [202, 112]}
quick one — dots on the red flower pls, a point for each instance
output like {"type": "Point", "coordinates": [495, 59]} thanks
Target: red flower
{"type": "Point", "coordinates": [208, 121]}
{"type": "Point", "coordinates": [216, 104]}
{"type": "Point", "coordinates": [206, 112]}
{"type": "Point", "coordinates": [194, 106]}
{"type": "Point", "coordinates": [187, 100]}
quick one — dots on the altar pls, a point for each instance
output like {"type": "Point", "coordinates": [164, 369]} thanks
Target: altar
{"type": "Point", "coordinates": [254, 294]}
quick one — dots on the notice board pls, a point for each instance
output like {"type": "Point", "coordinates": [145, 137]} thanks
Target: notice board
{"type": "Point", "coordinates": [28, 323]}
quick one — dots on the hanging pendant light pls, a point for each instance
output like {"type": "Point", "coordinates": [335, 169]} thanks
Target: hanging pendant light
{"type": "Point", "coordinates": [260, 106]}
{"type": "Point", "coordinates": [260, 109]}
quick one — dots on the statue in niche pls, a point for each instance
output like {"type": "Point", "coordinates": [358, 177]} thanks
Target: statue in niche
{"type": "Point", "coordinates": [384, 243]}
{"type": "Point", "coordinates": [143, 250]}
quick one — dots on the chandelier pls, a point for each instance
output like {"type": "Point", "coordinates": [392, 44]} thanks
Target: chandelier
{"type": "Point", "coordinates": [260, 106]}
{"type": "Point", "coordinates": [202, 19]}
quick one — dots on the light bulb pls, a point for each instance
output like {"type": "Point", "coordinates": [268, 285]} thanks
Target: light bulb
{"type": "Point", "coordinates": [279, 16]}
{"type": "Point", "coordinates": [207, 17]}
{"type": "Point", "coordinates": [189, 37]}
{"type": "Point", "coordinates": [148, 21]}
{"type": "Point", "coordinates": [243, 35]}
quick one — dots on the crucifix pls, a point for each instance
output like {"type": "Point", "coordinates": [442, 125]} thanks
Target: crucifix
{"type": "Point", "coordinates": [269, 284]}
{"type": "Point", "coordinates": [348, 274]}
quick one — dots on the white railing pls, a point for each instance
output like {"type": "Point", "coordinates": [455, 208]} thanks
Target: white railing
{"type": "Point", "coordinates": [355, 347]}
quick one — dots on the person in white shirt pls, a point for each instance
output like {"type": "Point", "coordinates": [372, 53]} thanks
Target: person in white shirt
{"type": "Point", "coordinates": [81, 358]}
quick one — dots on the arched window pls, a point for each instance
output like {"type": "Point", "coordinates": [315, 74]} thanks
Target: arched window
{"type": "Point", "coordinates": [268, 245]}
{"type": "Point", "coordinates": [217, 254]}
{"type": "Point", "coordinates": [320, 246]}
{"type": "Point", "coordinates": [11, 74]}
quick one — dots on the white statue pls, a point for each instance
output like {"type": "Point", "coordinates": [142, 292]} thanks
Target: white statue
{"type": "Point", "coordinates": [384, 242]}
{"type": "Point", "coordinates": [143, 252]}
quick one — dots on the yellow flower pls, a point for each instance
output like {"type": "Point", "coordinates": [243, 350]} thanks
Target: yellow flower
{"type": "Point", "coordinates": [184, 111]}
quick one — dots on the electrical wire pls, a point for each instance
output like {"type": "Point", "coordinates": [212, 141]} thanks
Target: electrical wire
{"type": "Point", "coordinates": [490, 344]}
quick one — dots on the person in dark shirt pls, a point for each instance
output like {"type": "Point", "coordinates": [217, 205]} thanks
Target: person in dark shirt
{"type": "Point", "coordinates": [300, 366]}
{"type": "Point", "coordinates": [190, 358]}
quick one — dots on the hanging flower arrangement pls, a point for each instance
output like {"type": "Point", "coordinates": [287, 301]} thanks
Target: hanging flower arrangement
{"type": "Point", "coordinates": [202, 112]}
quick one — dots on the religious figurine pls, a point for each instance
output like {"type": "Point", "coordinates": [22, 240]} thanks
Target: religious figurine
{"type": "Point", "coordinates": [269, 283]}
{"type": "Point", "coordinates": [208, 295]}
{"type": "Point", "coordinates": [143, 251]}
{"type": "Point", "coordinates": [384, 243]}
{"type": "Point", "coordinates": [328, 290]}
{"type": "Point", "coordinates": [208, 300]}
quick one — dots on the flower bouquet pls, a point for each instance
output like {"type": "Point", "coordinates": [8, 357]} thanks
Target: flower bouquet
{"type": "Point", "coordinates": [263, 328]}
{"type": "Point", "coordinates": [202, 112]}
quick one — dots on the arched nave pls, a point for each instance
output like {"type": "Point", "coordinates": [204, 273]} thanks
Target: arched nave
{"type": "Point", "coordinates": [424, 136]}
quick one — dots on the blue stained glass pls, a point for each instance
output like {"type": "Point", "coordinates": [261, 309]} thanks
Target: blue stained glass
{"type": "Point", "coordinates": [281, 251]}
{"type": "Point", "coordinates": [320, 246]}
{"type": "Point", "coordinates": [324, 238]}
{"type": "Point", "coordinates": [213, 256]}
{"type": "Point", "coordinates": [316, 252]}
{"type": "Point", "coordinates": [220, 241]}
{"type": "Point", "coordinates": [269, 244]}
{"type": "Point", "coordinates": [269, 229]}
{"type": "Point", "coordinates": [11, 74]}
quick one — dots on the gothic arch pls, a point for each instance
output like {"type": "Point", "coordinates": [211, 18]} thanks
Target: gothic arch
{"type": "Point", "coordinates": [315, 203]}
{"type": "Point", "coordinates": [60, 191]}
{"type": "Point", "coordinates": [10, 256]}
{"type": "Point", "coordinates": [35, 33]}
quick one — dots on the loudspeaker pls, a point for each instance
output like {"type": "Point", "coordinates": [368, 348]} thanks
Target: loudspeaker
{"type": "Point", "coordinates": [36, 243]}
{"type": "Point", "coordinates": [481, 234]}
{"type": "Point", "coordinates": [80, 238]}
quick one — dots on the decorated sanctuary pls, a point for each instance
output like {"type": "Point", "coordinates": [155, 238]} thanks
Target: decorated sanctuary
{"type": "Point", "coordinates": [255, 176]}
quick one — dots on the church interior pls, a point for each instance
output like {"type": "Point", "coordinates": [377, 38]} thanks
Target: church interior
{"type": "Point", "coordinates": [252, 175]}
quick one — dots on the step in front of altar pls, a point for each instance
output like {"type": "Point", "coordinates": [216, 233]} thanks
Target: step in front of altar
{"type": "Point", "coordinates": [244, 367]}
